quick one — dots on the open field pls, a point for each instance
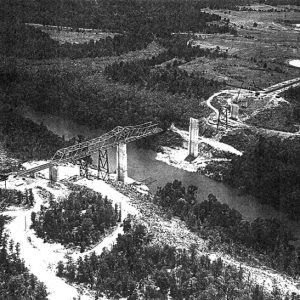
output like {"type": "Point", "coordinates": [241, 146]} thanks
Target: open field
{"type": "Point", "coordinates": [71, 35]}
{"type": "Point", "coordinates": [258, 55]}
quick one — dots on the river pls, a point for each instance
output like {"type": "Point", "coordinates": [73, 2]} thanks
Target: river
{"type": "Point", "coordinates": [142, 164]}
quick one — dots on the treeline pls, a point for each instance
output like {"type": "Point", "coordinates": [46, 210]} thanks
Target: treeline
{"type": "Point", "coordinates": [80, 219]}
{"type": "Point", "coordinates": [149, 74]}
{"type": "Point", "coordinates": [135, 269]}
{"type": "Point", "coordinates": [26, 140]}
{"type": "Point", "coordinates": [69, 94]}
{"type": "Point", "coordinates": [270, 170]}
{"type": "Point", "coordinates": [15, 280]}
{"type": "Point", "coordinates": [24, 41]}
{"type": "Point", "coordinates": [279, 2]}
{"type": "Point", "coordinates": [160, 18]}
{"type": "Point", "coordinates": [15, 197]}
{"type": "Point", "coordinates": [293, 96]}
{"type": "Point", "coordinates": [267, 238]}
{"type": "Point", "coordinates": [170, 79]}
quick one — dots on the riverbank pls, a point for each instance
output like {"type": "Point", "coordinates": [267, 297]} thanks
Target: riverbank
{"type": "Point", "coordinates": [211, 153]}
{"type": "Point", "coordinates": [41, 258]}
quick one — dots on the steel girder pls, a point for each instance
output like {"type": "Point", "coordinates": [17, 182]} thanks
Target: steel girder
{"type": "Point", "coordinates": [108, 140]}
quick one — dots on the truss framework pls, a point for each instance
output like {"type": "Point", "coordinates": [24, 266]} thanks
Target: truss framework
{"type": "Point", "coordinates": [103, 166]}
{"type": "Point", "coordinates": [105, 141]}
{"type": "Point", "coordinates": [84, 164]}
{"type": "Point", "coordinates": [223, 112]}
{"type": "Point", "coordinates": [76, 153]}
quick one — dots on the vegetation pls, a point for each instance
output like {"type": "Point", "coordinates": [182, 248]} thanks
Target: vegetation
{"type": "Point", "coordinates": [80, 219]}
{"type": "Point", "coordinates": [270, 170]}
{"type": "Point", "coordinates": [150, 75]}
{"type": "Point", "coordinates": [95, 103]}
{"type": "Point", "coordinates": [268, 239]}
{"type": "Point", "coordinates": [293, 96]}
{"type": "Point", "coordinates": [14, 197]}
{"type": "Point", "coordinates": [26, 140]}
{"type": "Point", "coordinates": [15, 280]}
{"type": "Point", "coordinates": [24, 41]}
{"type": "Point", "coordinates": [136, 23]}
{"type": "Point", "coordinates": [279, 2]}
{"type": "Point", "coordinates": [137, 269]}
{"type": "Point", "coordinates": [160, 18]}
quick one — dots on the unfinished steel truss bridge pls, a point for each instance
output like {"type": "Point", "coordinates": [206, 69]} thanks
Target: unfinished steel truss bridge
{"type": "Point", "coordinates": [81, 153]}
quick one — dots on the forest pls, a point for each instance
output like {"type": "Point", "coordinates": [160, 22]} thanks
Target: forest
{"type": "Point", "coordinates": [162, 72]}
{"type": "Point", "coordinates": [170, 79]}
{"type": "Point", "coordinates": [80, 219]}
{"type": "Point", "coordinates": [23, 41]}
{"type": "Point", "coordinates": [279, 2]}
{"type": "Point", "coordinates": [136, 24]}
{"type": "Point", "coordinates": [268, 240]}
{"type": "Point", "coordinates": [69, 94]}
{"type": "Point", "coordinates": [160, 17]}
{"type": "Point", "coordinates": [26, 140]}
{"type": "Point", "coordinates": [293, 96]}
{"type": "Point", "coordinates": [14, 197]}
{"type": "Point", "coordinates": [270, 170]}
{"type": "Point", "coordinates": [137, 269]}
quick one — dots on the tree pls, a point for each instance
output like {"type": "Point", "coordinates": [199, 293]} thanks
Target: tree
{"type": "Point", "coordinates": [31, 198]}
{"type": "Point", "coordinates": [60, 269]}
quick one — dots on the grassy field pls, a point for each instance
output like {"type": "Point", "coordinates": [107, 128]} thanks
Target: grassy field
{"type": "Point", "coordinates": [71, 35]}
{"type": "Point", "coordinates": [258, 55]}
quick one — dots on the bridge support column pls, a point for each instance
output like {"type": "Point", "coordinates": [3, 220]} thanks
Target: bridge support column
{"type": "Point", "coordinates": [53, 173]}
{"type": "Point", "coordinates": [194, 136]}
{"type": "Point", "coordinates": [121, 162]}
{"type": "Point", "coordinates": [234, 111]}
{"type": "Point", "coordinates": [84, 164]}
{"type": "Point", "coordinates": [103, 166]}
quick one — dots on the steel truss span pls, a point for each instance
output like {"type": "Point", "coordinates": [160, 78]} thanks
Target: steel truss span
{"type": "Point", "coordinates": [108, 140]}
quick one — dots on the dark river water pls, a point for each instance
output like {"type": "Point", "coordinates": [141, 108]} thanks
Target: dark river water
{"type": "Point", "coordinates": [142, 164]}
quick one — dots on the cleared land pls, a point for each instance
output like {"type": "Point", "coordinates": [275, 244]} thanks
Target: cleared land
{"type": "Point", "coordinates": [72, 35]}
{"type": "Point", "coordinates": [258, 55]}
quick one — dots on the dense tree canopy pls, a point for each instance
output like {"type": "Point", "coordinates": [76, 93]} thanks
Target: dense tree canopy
{"type": "Point", "coordinates": [80, 219]}
{"type": "Point", "coordinates": [137, 269]}
{"type": "Point", "coordinates": [160, 17]}
{"type": "Point", "coordinates": [14, 197]}
{"type": "Point", "coordinates": [24, 41]}
{"type": "Point", "coordinates": [26, 140]}
{"type": "Point", "coordinates": [267, 237]}
{"type": "Point", "coordinates": [293, 96]}
{"type": "Point", "coordinates": [270, 170]}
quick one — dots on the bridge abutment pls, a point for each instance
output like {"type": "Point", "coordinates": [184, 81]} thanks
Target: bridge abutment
{"type": "Point", "coordinates": [121, 168]}
{"type": "Point", "coordinates": [194, 137]}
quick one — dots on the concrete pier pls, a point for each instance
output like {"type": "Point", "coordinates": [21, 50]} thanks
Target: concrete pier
{"type": "Point", "coordinates": [194, 137]}
{"type": "Point", "coordinates": [234, 111]}
{"type": "Point", "coordinates": [53, 173]}
{"type": "Point", "coordinates": [121, 162]}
